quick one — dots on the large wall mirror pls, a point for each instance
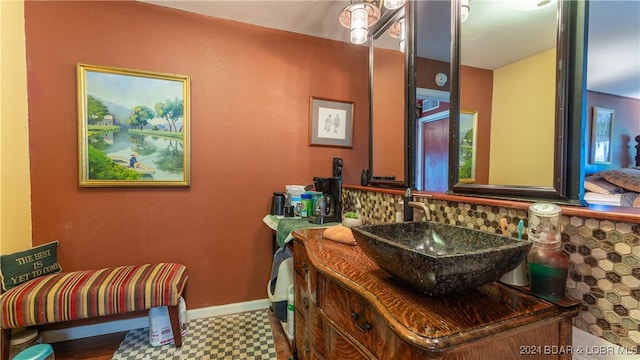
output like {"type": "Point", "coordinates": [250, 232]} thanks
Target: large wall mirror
{"type": "Point", "coordinates": [387, 94]}
{"type": "Point", "coordinates": [512, 76]}
{"type": "Point", "coordinates": [460, 108]}
{"type": "Point", "coordinates": [507, 102]}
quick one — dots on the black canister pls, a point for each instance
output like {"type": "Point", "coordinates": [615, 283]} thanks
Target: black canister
{"type": "Point", "coordinates": [364, 178]}
{"type": "Point", "coordinates": [277, 203]}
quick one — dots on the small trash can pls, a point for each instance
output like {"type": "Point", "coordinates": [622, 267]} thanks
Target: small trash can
{"type": "Point", "coordinates": [36, 352]}
{"type": "Point", "coordinates": [22, 339]}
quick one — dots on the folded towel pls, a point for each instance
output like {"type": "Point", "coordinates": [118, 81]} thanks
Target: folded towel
{"type": "Point", "coordinates": [339, 233]}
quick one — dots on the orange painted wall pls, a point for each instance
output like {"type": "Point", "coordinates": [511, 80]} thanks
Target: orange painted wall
{"type": "Point", "coordinates": [476, 94]}
{"type": "Point", "coordinates": [426, 70]}
{"type": "Point", "coordinates": [250, 90]}
{"type": "Point", "coordinates": [389, 100]}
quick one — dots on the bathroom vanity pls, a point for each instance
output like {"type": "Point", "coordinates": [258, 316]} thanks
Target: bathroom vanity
{"type": "Point", "coordinates": [349, 308]}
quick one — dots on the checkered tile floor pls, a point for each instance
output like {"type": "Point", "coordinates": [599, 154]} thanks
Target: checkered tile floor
{"type": "Point", "coordinates": [230, 337]}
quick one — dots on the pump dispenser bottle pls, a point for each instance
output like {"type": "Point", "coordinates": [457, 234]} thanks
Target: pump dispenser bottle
{"type": "Point", "coordinates": [407, 210]}
{"type": "Point", "coordinates": [548, 264]}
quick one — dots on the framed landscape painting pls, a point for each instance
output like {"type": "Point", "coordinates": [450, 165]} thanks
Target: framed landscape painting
{"type": "Point", "coordinates": [467, 146]}
{"type": "Point", "coordinates": [133, 127]}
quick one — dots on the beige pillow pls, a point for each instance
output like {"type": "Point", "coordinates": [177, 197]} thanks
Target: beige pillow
{"type": "Point", "coordinates": [600, 185]}
{"type": "Point", "coordinates": [627, 178]}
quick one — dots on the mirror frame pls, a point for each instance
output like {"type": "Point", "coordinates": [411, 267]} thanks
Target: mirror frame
{"type": "Point", "coordinates": [570, 105]}
{"type": "Point", "coordinates": [387, 19]}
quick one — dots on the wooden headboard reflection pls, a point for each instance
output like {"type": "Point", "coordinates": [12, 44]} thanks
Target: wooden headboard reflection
{"type": "Point", "coordinates": [638, 150]}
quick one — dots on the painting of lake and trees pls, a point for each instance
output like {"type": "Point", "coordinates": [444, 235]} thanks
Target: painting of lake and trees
{"type": "Point", "coordinates": [133, 127]}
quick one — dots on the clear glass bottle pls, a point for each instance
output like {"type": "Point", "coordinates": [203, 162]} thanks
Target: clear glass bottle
{"type": "Point", "coordinates": [548, 264]}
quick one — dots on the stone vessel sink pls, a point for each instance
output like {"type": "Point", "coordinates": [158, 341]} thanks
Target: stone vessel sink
{"type": "Point", "coordinates": [439, 259]}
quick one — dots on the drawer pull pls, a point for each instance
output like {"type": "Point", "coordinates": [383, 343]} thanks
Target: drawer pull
{"type": "Point", "coordinates": [360, 323]}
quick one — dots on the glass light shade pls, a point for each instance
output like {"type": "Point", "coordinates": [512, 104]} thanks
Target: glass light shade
{"type": "Point", "coordinates": [359, 19]}
{"type": "Point", "coordinates": [359, 25]}
{"type": "Point", "coordinates": [393, 4]}
{"type": "Point", "coordinates": [369, 6]}
{"type": "Point", "coordinates": [359, 36]}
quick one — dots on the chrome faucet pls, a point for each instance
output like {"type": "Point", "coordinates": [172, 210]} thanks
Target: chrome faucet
{"type": "Point", "coordinates": [421, 206]}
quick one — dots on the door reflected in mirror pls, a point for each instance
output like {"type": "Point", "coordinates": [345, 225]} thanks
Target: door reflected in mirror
{"type": "Point", "coordinates": [432, 140]}
{"type": "Point", "coordinates": [432, 60]}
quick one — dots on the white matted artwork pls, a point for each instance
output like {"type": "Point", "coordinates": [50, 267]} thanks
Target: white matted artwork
{"type": "Point", "coordinates": [330, 123]}
{"type": "Point", "coordinates": [601, 135]}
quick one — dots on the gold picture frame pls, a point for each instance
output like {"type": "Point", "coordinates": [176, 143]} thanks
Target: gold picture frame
{"type": "Point", "coordinates": [133, 127]}
{"type": "Point", "coordinates": [467, 146]}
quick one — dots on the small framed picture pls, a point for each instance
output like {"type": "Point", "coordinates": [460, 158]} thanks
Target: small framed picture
{"type": "Point", "coordinates": [601, 135]}
{"type": "Point", "coordinates": [330, 123]}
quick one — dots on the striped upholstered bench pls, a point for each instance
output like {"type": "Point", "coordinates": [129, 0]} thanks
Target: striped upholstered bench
{"type": "Point", "coordinates": [86, 294]}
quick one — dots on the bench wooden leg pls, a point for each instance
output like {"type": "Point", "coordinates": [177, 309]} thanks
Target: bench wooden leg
{"type": "Point", "coordinates": [6, 343]}
{"type": "Point", "coordinates": [174, 318]}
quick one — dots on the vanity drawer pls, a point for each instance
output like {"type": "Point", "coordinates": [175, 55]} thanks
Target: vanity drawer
{"type": "Point", "coordinates": [357, 321]}
{"type": "Point", "coordinates": [352, 314]}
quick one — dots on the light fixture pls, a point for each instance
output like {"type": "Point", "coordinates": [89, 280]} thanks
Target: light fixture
{"type": "Point", "coordinates": [398, 31]}
{"type": "Point", "coordinates": [393, 4]}
{"type": "Point", "coordinates": [358, 16]}
{"type": "Point", "coordinates": [464, 10]}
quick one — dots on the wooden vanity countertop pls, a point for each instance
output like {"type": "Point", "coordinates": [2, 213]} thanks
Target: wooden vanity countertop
{"type": "Point", "coordinates": [433, 323]}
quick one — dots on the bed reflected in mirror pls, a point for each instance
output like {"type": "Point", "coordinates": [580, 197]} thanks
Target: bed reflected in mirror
{"type": "Point", "coordinates": [612, 173]}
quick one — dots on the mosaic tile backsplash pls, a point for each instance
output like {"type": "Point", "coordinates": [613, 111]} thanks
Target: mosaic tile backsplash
{"type": "Point", "coordinates": [604, 257]}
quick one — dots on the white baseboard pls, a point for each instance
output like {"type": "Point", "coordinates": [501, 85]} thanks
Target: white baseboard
{"type": "Point", "coordinates": [109, 327]}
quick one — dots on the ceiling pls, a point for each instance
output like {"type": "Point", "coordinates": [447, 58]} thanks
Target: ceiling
{"type": "Point", "coordinates": [613, 49]}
